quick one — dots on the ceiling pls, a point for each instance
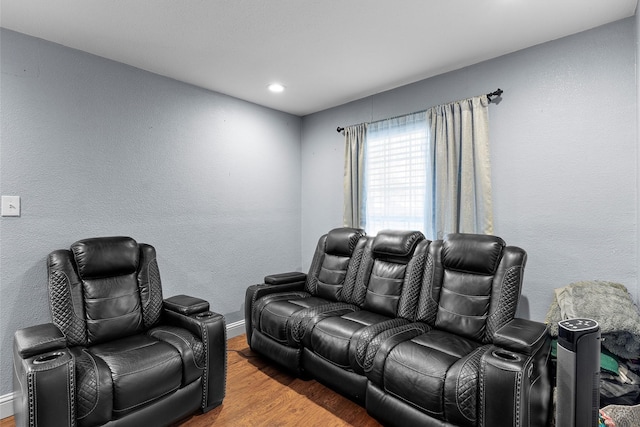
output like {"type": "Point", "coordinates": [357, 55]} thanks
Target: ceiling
{"type": "Point", "coordinates": [325, 52]}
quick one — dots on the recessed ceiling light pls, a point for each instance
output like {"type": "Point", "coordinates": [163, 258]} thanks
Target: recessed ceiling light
{"type": "Point", "coordinates": [276, 87]}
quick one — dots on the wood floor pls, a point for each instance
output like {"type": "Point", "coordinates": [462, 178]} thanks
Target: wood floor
{"type": "Point", "coordinates": [260, 394]}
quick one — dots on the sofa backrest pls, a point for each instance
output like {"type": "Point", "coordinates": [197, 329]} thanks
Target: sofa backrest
{"type": "Point", "coordinates": [104, 288]}
{"type": "Point", "coordinates": [335, 263]}
{"type": "Point", "coordinates": [390, 273]}
{"type": "Point", "coordinates": [471, 285]}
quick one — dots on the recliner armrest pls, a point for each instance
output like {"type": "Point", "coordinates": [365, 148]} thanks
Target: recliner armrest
{"type": "Point", "coordinates": [38, 339]}
{"type": "Point", "coordinates": [519, 358]}
{"type": "Point", "coordinates": [44, 377]}
{"type": "Point", "coordinates": [285, 278]}
{"type": "Point", "coordinates": [186, 305]}
{"type": "Point", "coordinates": [521, 336]}
{"type": "Point", "coordinates": [273, 284]}
{"type": "Point", "coordinates": [209, 327]}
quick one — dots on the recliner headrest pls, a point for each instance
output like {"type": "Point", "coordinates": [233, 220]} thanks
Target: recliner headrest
{"type": "Point", "coordinates": [101, 257]}
{"type": "Point", "coordinates": [397, 243]}
{"type": "Point", "coordinates": [473, 253]}
{"type": "Point", "coordinates": [342, 241]}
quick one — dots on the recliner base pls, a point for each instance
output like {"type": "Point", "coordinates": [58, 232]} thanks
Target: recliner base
{"type": "Point", "coordinates": [392, 411]}
{"type": "Point", "coordinates": [345, 382]}
{"type": "Point", "coordinates": [172, 408]}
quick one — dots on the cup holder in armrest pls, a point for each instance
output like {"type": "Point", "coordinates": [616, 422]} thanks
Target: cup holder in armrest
{"type": "Point", "coordinates": [506, 355]}
{"type": "Point", "coordinates": [205, 315]}
{"type": "Point", "coordinates": [47, 357]}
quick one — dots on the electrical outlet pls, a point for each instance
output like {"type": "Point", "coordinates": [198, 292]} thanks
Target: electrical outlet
{"type": "Point", "coordinates": [10, 206]}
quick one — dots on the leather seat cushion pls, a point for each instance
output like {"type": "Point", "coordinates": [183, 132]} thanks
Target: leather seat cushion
{"type": "Point", "coordinates": [415, 370]}
{"type": "Point", "coordinates": [274, 318]}
{"type": "Point", "coordinates": [142, 369]}
{"type": "Point", "coordinates": [331, 337]}
{"type": "Point", "coordinates": [191, 349]}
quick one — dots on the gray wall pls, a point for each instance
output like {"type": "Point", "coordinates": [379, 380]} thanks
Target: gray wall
{"type": "Point", "coordinates": [94, 148]}
{"type": "Point", "coordinates": [228, 191]}
{"type": "Point", "coordinates": [564, 152]}
{"type": "Point", "coordinates": [637, 38]}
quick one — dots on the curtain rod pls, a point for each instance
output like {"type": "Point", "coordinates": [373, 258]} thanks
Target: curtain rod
{"type": "Point", "coordinates": [498, 92]}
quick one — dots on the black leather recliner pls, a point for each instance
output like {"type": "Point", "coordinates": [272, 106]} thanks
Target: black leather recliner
{"type": "Point", "coordinates": [466, 360]}
{"type": "Point", "coordinates": [277, 312]}
{"type": "Point", "coordinates": [420, 332]}
{"type": "Point", "coordinates": [116, 353]}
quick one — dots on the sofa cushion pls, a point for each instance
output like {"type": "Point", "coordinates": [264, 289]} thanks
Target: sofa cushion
{"type": "Point", "coordinates": [106, 257]}
{"type": "Point", "coordinates": [191, 349]}
{"type": "Point", "coordinates": [274, 314]}
{"type": "Point", "coordinates": [396, 243]}
{"type": "Point", "coordinates": [464, 303]}
{"type": "Point", "coordinates": [415, 370]}
{"type": "Point", "coordinates": [480, 254]}
{"type": "Point", "coordinates": [274, 318]}
{"type": "Point", "coordinates": [342, 241]}
{"type": "Point", "coordinates": [142, 368]}
{"type": "Point", "coordinates": [331, 276]}
{"type": "Point", "coordinates": [332, 267]}
{"type": "Point", "coordinates": [112, 308]}
{"type": "Point", "coordinates": [385, 287]}
{"type": "Point", "coordinates": [331, 337]}
{"type": "Point", "coordinates": [108, 269]}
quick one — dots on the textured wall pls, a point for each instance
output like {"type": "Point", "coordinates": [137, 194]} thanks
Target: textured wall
{"type": "Point", "coordinates": [94, 147]}
{"type": "Point", "coordinates": [564, 156]}
{"type": "Point", "coordinates": [637, 35]}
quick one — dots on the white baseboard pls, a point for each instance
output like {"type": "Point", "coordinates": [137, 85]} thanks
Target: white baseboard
{"type": "Point", "coordinates": [6, 405]}
{"type": "Point", "coordinates": [6, 401]}
{"type": "Point", "coordinates": [236, 328]}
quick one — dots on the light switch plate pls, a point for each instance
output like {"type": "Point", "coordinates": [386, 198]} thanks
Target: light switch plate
{"type": "Point", "coordinates": [10, 206]}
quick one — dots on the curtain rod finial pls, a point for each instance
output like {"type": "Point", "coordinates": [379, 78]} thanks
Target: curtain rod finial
{"type": "Point", "coordinates": [497, 93]}
{"type": "Point", "coordinates": [339, 129]}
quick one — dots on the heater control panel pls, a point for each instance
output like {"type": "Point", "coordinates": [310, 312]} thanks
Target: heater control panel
{"type": "Point", "coordinates": [570, 331]}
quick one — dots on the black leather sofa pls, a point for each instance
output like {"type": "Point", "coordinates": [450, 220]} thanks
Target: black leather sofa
{"type": "Point", "coordinates": [419, 332]}
{"type": "Point", "coordinates": [116, 354]}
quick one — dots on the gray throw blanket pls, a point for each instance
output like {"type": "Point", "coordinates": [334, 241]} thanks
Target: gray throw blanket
{"type": "Point", "coordinates": [607, 303]}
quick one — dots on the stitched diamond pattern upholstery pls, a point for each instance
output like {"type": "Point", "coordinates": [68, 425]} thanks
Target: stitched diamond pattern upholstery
{"type": "Point", "coordinates": [87, 381]}
{"type": "Point", "coordinates": [507, 302]}
{"type": "Point", "coordinates": [152, 307]}
{"type": "Point", "coordinates": [350, 279]}
{"type": "Point", "coordinates": [62, 309]}
{"type": "Point", "coordinates": [462, 388]}
{"type": "Point", "coordinates": [360, 287]}
{"type": "Point", "coordinates": [300, 320]}
{"type": "Point", "coordinates": [411, 290]}
{"type": "Point", "coordinates": [372, 335]}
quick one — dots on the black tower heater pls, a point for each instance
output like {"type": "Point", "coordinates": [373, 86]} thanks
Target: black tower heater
{"type": "Point", "coordinates": [578, 373]}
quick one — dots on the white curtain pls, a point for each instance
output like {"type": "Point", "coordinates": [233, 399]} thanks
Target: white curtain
{"type": "Point", "coordinates": [354, 202]}
{"type": "Point", "coordinates": [459, 142]}
{"type": "Point", "coordinates": [456, 194]}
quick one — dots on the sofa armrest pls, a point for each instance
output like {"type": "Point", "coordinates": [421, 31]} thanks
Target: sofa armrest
{"type": "Point", "coordinates": [211, 329]}
{"type": "Point", "coordinates": [517, 365]}
{"type": "Point", "coordinates": [185, 304]}
{"type": "Point", "coordinates": [521, 336]}
{"type": "Point", "coordinates": [38, 339]}
{"type": "Point", "coordinates": [43, 377]}
{"type": "Point", "coordinates": [285, 278]}
{"type": "Point", "coordinates": [273, 283]}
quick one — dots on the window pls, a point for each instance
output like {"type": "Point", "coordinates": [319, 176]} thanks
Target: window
{"type": "Point", "coordinates": [395, 179]}
{"type": "Point", "coordinates": [427, 171]}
